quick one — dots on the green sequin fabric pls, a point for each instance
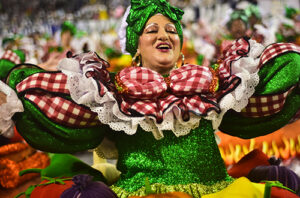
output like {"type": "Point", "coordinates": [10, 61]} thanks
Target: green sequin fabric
{"type": "Point", "coordinates": [179, 163]}
{"type": "Point", "coordinates": [141, 11]}
{"type": "Point", "coordinates": [279, 74]}
{"type": "Point", "coordinates": [195, 190]}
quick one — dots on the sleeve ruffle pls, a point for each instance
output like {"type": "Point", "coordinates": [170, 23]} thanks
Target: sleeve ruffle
{"type": "Point", "coordinates": [8, 109]}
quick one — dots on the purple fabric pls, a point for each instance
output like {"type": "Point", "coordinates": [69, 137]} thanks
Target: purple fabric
{"type": "Point", "coordinates": [276, 173]}
{"type": "Point", "coordinates": [85, 187]}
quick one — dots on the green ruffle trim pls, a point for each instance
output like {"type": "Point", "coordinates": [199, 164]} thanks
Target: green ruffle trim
{"type": "Point", "coordinates": [195, 190]}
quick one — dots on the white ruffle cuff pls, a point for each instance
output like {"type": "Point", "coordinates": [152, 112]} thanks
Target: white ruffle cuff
{"type": "Point", "coordinates": [8, 109]}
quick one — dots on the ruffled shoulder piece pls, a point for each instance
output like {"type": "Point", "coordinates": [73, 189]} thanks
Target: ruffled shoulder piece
{"type": "Point", "coordinates": [141, 97]}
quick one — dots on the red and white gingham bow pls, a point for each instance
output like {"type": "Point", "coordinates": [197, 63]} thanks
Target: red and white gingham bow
{"type": "Point", "coordinates": [48, 91]}
{"type": "Point", "coordinates": [146, 92]}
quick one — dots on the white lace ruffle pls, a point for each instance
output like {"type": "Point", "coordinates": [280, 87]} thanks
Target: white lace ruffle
{"type": "Point", "coordinates": [85, 91]}
{"type": "Point", "coordinates": [246, 69]}
{"type": "Point", "coordinates": [8, 109]}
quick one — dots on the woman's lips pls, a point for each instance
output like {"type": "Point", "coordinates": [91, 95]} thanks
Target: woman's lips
{"type": "Point", "coordinates": [164, 47]}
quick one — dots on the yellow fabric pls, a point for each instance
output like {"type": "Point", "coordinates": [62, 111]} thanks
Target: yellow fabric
{"type": "Point", "coordinates": [109, 171]}
{"type": "Point", "coordinates": [240, 188]}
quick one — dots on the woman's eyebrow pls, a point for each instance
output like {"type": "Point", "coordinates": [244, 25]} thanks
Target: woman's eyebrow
{"type": "Point", "coordinates": [151, 24]}
{"type": "Point", "coordinates": [170, 24]}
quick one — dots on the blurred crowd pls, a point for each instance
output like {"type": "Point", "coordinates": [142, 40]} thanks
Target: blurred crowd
{"type": "Point", "coordinates": [47, 30]}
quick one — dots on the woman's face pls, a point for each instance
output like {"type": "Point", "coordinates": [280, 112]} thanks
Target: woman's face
{"type": "Point", "coordinates": [159, 44]}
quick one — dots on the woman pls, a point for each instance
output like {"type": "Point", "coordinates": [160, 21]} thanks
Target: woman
{"type": "Point", "coordinates": [188, 102]}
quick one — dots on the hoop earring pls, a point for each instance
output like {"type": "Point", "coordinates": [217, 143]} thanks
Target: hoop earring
{"type": "Point", "coordinates": [182, 59]}
{"type": "Point", "coordinates": [136, 60]}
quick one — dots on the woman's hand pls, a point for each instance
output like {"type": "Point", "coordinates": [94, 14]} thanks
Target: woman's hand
{"type": "Point", "coordinates": [2, 98]}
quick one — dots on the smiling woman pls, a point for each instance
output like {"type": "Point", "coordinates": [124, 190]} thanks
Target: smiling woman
{"type": "Point", "coordinates": [159, 45]}
{"type": "Point", "coordinates": [180, 107]}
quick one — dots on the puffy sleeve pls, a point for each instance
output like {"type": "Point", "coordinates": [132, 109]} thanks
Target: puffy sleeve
{"type": "Point", "coordinates": [52, 121]}
{"type": "Point", "coordinates": [276, 100]}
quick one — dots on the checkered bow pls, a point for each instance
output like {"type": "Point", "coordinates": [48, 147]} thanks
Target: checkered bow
{"type": "Point", "coordinates": [143, 83]}
{"type": "Point", "coordinates": [146, 92]}
{"type": "Point", "coordinates": [48, 91]}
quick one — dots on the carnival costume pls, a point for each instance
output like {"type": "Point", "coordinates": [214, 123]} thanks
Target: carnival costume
{"type": "Point", "coordinates": [163, 126]}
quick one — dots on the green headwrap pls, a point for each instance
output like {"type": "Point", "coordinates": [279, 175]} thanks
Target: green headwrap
{"type": "Point", "coordinates": [291, 12]}
{"type": "Point", "coordinates": [68, 26]}
{"type": "Point", "coordinates": [238, 14]}
{"type": "Point", "coordinates": [253, 10]}
{"type": "Point", "coordinates": [141, 11]}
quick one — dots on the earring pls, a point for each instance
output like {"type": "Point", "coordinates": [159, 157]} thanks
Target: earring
{"type": "Point", "coordinates": [136, 60]}
{"type": "Point", "coordinates": [182, 59]}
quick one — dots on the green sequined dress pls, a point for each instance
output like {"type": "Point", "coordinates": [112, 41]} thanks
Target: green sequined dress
{"type": "Point", "coordinates": [189, 163]}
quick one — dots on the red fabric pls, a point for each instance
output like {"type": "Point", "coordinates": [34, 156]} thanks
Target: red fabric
{"type": "Point", "coordinates": [53, 82]}
{"type": "Point", "coordinates": [248, 162]}
{"type": "Point", "coordinates": [234, 51]}
{"type": "Point", "coordinates": [63, 111]}
{"type": "Point", "coordinates": [265, 105]}
{"type": "Point", "coordinates": [46, 91]}
{"type": "Point", "coordinates": [11, 56]}
{"type": "Point", "coordinates": [51, 190]}
{"type": "Point", "coordinates": [282, 193]}
{"type": "Point", "coordinates": [276, 49]}
{"type": "Point", "coordinates": [148, 93]}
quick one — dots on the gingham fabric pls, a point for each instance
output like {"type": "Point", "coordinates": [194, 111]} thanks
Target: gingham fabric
{"type": "Point", "coordinates": [62, 111]}
{"type": "Point", "coordinates": [43, 89]}
{"type": "Point", "coordinates": [53, 82]}
{"type": "Point", "coordinates": [11, 56]}
{"type": "Point", "coordinates": [95, 67]}
{"type": "Point", "coordinates": [265, 105]}
{"type": "Point", "coordinates": [276, 49]}
{"type": "Point", "coordinates": [295, 117]}
{"type": "Point", "coordinates": [239, 48]}
{"type": "Point", "coordinates": [142, 83]}
{"type": "Point", "coordinates": [148, 93]}
{"type": "Point", "coordinates": [190, 79]}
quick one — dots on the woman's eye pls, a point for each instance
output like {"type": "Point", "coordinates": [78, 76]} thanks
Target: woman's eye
{"type": "Point", "coordinates": [172, 31]}
{"type": "Point", "coordinates": [151, 31]}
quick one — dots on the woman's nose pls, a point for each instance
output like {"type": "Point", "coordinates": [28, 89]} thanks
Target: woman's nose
{"type": "Point", "coordinates": [162, 35]}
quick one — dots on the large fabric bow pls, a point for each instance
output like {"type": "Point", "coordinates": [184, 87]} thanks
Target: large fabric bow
{"type": "Point", "coordinates": [145, 92]}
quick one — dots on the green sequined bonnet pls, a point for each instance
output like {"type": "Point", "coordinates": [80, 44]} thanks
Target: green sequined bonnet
{"type": "Point", "coordinates": [141, 11]}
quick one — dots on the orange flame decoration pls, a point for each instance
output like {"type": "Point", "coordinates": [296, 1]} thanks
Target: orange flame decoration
{"type": "Point", "coordinates": [233, 153]}
{"type": "Point", "coordinates": [284, 144]}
